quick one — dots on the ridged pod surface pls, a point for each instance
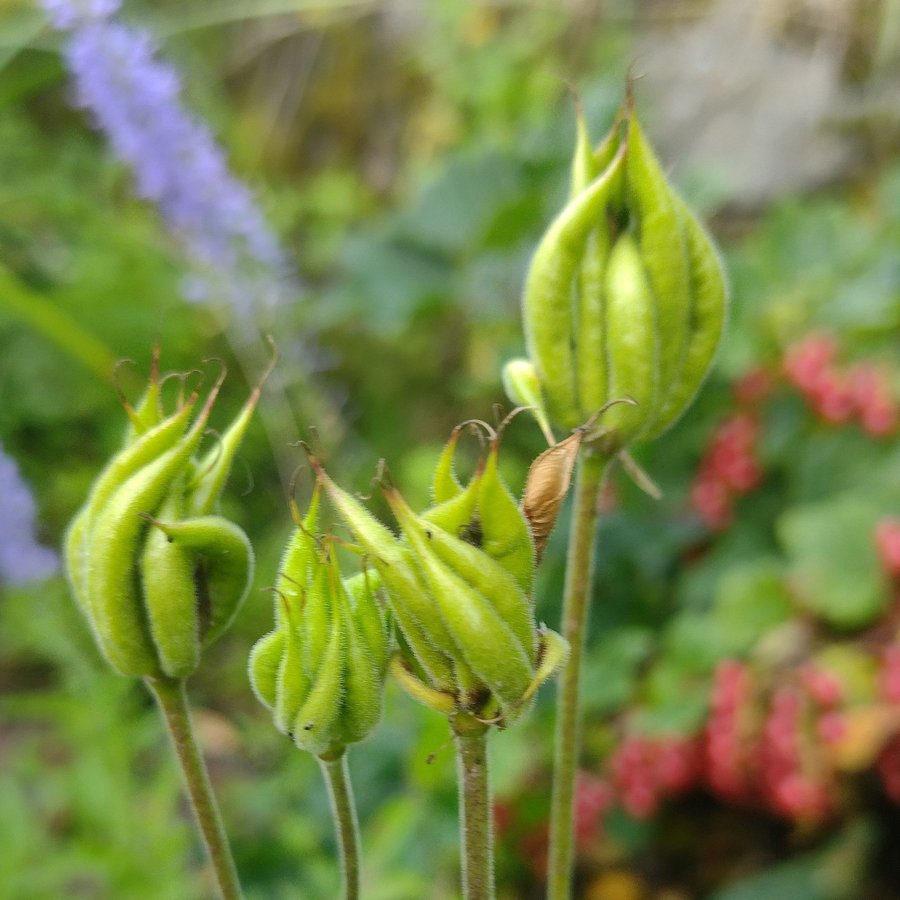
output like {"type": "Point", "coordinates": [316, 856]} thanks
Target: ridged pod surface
{"type": "Point", "coordinates": [625, 297]}
{"type": "Point", "coordinates": [156, 573]}
{"type": "Point", "coordinates": [321, 670]}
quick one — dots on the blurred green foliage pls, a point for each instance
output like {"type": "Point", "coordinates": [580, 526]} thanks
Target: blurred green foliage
{"type": "Point", "coordinates": [409, 167]}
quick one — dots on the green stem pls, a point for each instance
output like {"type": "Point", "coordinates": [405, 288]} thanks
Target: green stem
{"type": "Point", "coordinates": [346, 826]}
{"type": "Point", "coordinates": [475, 811]}
{"type": "Point", "coordinates": [173, 705]}
{"type": "Point", "coordinates": [579, 575]}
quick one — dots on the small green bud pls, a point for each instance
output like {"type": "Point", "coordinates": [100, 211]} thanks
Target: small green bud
{"type": "Point", "coordinates": [156, 576]}
{"type": "Point", "coordinates": [523, 386]}
{"type": "Point", "coordinates": [625, 296]}
{"type": "Point", "coordinates": [321, 671]}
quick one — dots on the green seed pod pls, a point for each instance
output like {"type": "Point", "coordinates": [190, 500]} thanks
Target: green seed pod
{"type": "Point", "coordinates": [663, 252]}
{"type": "Point", "coordinates": [265, 663]}
{"type": "Point", "coordinates": [709, 307]}
{"type": "Point", "coordinates": [625, 296]}
{"type": "Point", "coordinates": [505, 535]}
{"type": "Point", "coordinates": [484, 642]}
{"type": "Point", "coordinates": [156, 583]}
{"type": "Point", "coordinates": [450, 595]}
{"type": "Point", "coordinates": [481, 572]}
{"type": "Point", "coordinates": [547, 299]}
{"type": "Point", "coordinates": [369, 620]}
{"type": "Point", "coordinates": [222, 563]}
{"type": "Point", "coordinates": [322, 670]}
{"type": "Point", "coordinates": [632, 340]}
{"type": "Point", "coordinates": [214, 468]}
{"type": "Point", "coordinates": [412, 608]}
{"type": "Point", "coordinates": [445, 486]}
{"type": "Point", "coordinates": [116, 540]}
{"type": "Point", "coordinates": [300, 556]}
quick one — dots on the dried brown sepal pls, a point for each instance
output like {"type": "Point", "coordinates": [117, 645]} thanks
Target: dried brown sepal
{"type": "Point", "coordinates": [545, 488]}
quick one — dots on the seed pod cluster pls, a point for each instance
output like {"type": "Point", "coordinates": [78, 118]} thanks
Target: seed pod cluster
{"type": "Point", "coordinates": [321, 670]}
{"type": "Point", "coordinates": [459, 584]}
{"type": "Point", "coordinates": [158, 575]}
{"type": "Point", "coordinates": [625, 297]}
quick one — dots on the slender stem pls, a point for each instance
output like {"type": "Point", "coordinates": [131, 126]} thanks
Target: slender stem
{"type": "Point", "coordinates": [173, 705]}
{"type": "Point", "coordinates": [579, 575]}
{"type": "Point", "coordinates": [475, 811]}
{"type": "Point", "coordinates": [346, 826]}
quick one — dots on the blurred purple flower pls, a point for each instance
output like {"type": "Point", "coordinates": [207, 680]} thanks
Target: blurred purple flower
{"type": "Point", "coordinates": [135, 99]}
{"type": "Point", "coordinates": [22, 558]}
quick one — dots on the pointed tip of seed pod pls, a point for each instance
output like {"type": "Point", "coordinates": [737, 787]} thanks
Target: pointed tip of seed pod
{"type": "Point", "coordinates": [383, 476]}
{"type": "Point", "coordinates": [628, 104]}
{"type": "Point", "coordinates": [155, 354]}
{"type": "Point", "coordinates": [576, 97]}
{"type": "Point", "coordinates": [253, 399]}
{"type": "Point", "coordinates": [208, 404]}
{"type": "Point", "coordinates": [117, 387]}
{"type": "Point", "coordinates": [311, 457]}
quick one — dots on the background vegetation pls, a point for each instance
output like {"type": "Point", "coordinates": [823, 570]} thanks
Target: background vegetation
{"type": "Point", "coordinates": [408, 156]}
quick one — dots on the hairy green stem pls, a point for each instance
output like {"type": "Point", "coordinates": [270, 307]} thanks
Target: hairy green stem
{"type": "Point", "coordinates": [173, 705]}
{"type": "Point", "coordinates": [579, 576]}
{"type": "Point", "coordinates": [476, 824]}
{"type": "Point", "coordinates": [346, 826]}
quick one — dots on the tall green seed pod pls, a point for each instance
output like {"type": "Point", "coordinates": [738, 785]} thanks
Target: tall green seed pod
{"type": "Point", "coordinates": [460, 574]}
{"type": "Point", "coordinates": [321, 671]}
{"type": "Point", "coordinates": [625, 297]}
{"type": "Point", "coordinates": [156, 574]}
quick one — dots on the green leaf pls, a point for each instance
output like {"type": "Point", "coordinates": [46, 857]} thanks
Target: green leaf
{"type": "Point", "coordinates": [750, 599]}
{"type": "Point", "coordinates": [832, 560]}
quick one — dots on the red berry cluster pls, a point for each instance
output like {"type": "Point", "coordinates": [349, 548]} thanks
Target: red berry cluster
{"type": "Point", "coordinates": [795, 779]}
{"type": "Point", "coordinates": [727, 737]}
{"type": "Point", "coordinates": [517, 826]}
{"type": "Point", "coordinates": [644, 770]}
{"type": "Point", "coordinates": [758, 747]}
{"type": "Point", "coordinates": [593, 797]}
{"type": "Point", "coordinates": [841, 393]}
{"type": "Point", "coordinates": [729, 468]}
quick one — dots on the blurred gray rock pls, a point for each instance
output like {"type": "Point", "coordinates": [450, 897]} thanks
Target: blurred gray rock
{"type": "Point", "coordinates": [751, 99]}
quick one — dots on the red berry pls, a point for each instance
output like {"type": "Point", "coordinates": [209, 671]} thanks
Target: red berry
{"type": "Point", "coordinates": [806, 360]}
{"type": "Point", "coordinates": [887, 540]}
{"type": "Point", "coordinates": [753, 386]}
{"type": "Point", "coordinates": [822, 686]}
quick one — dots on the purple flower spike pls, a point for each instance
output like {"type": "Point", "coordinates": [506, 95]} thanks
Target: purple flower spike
{"type": "Point", "coordinates": [22, 558]}
{"type": "Point", "coordinates": [135, 99]}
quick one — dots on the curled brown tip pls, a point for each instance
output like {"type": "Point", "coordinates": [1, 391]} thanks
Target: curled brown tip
{"type": "Point", "coordinates": [154, 361]}
{"type": "Point", "coordinates": [117, 387]}
{"type": "Point", "coordinates": [508, 418]}
{"type": "Point", "coordinates": [592, 421]}
{"type": "Point", "coordinates": [480, 425]}
{"type": "Point", "coordinates": [311, 457]}
{"type": "Point", "coordinates": [382, 477]}
{"type": "Point", "coordinates": [181, 378]}
{"type": "Point", "coordinates": [576, 98]}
